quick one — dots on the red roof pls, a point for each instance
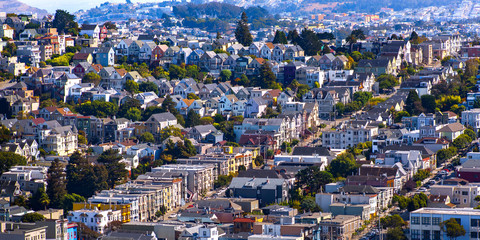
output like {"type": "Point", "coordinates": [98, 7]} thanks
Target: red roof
{"type": "Point", "coordinates": [244, 220]}
{"type": "Point", "coordinates": [37, 121]}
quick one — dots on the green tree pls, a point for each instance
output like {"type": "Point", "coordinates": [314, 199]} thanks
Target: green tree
{"type": "Point", "coordinates": [362, 97]}
{"type": "Point", "coordinates": [343, 165]}
{"type": "Point", "coordinates": [133, 114]}
{"type": "Point", "coordinates": [309, 204]}
{"type": "Point", "coordinates": [99, 109]}
{"type": "Point", "coordinates": [176, 72]}
{"type": "Point", "coordinates": [242, 32]}
{"type": "Point", "coordinates": [116, 170]}
{"type": "Point", "coordinates": [32, 217]}
{"type": "Point", "coordinates": [192, 96]}
{"type": "Point", "coordinates": [148, 87]}
{"type": "Point", "coordinates": [462, 141]}
{"type": "Point", "coordinates": [313, 179]}
{"type": "Point", "coordinates": [92, 77]}
{"type": "Point", "coordinates": [69, 199]}
{"type": "Point", "coordinates": [64, 22]}
{"type": "Point", "coordinates": [56, 182]}
{"type": "Point", "coordinates": [39, 200]}
{"type": "Point", "coordinates": [470, 133]}
{"type": "Point", "coordinates": [412, 102]}
{"type": "Point", "coordinates": [428, 103]}
{"type": "Point", "coordinates": [83, 178]}
{"type": "Point", "coordinates": [396, 234]}
{"type": "Point", "coordinates": [392, 221]}
{"type": "Point", "coordinates": [132, 87]}
{"type": "Point", "coordinates": [170, 131]}
{"type": "Point", "coordinates": [266, 78]}
{"type": "Point", "coordinates": [147, 137]}
{"type": "Point", "coordinates": [162, 210]}
{"type": "Point", "coordinates": [193, 119]}
{"type": "Point", "coordinates": [387, 81]}
{"type": "Point", "coordinates": [124, 109]}
{"type": "Point", "coordinates": [5, 134]}
{"type": "Point", "coordinates": [225, 75]}
{"type": "Point", "coordinates": [9, 159]}
{"type": "Point", "coordinates": [452, 228]}
{"type": "Point", "coordinates": [400, 115]}
{"type": "Point", "coordinates": [258, 160]}
{"type": "Point", "coordinates": [280, 37]}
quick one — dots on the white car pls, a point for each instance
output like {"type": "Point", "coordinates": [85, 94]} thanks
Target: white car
{"type": "Point", "coordinates": [443, 172]}
{"type": "Point", "coordinates": [422, 189]}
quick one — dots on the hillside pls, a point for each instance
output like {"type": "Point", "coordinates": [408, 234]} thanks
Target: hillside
{"type": "Point", "coordinates": [15, 6]}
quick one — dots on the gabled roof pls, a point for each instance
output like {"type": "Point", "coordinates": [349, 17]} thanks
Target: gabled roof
{"type": "Point", "coordinates": [452, 127]}
{"type": "Point", "coordinates": [311, 151]}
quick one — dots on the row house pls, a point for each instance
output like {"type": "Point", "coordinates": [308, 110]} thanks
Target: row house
{"type": "Point", "coordinates": [327, 98]}
{"type": "Point", "coordinates": [328, 61]}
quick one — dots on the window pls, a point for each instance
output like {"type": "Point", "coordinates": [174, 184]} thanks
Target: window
{"type": "Point", "coordinates": [436, 234]}
{"type": "Point", "coordinates": [426, 234]}
{"type": "Point", "coordinates": [435, 220]}
{"type": "Point", "coordinates": [426, 220]}
{"type": "Point", "coordinates": [415, 234]}
{"type": "Point", "coordinates": [415, 220]}
{"type": "Point", "coordinates": [473, 234]}
{"type": "Point", "coordinates": [475, 222]}
{"type": "Point", "coordinates": [464, 193]}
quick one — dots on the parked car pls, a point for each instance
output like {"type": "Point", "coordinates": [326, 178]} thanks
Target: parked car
{"type": "Point", "coordinates": [422, 189]}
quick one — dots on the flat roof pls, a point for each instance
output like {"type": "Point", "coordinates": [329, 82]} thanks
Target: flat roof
{"type": "Point", "coordinates": [454, 211]}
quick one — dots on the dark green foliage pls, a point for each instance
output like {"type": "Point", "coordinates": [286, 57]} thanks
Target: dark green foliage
{"type": "Point", "coordinates": [412, 102]}
{"type": "Point", "coordinates": [117, 173]}
{"type": "Point", "coordinates": [5, 134]}
{"type": "Point", "coordinates": [309, 42]}
{"type": "Point", "coordinates": [387, 81]}
{"type": "Point", "coordinates": [445, 154]}
{"type": "Point", "coordinates": [65, 22]}
{"type": "Point", "coordinates": [356, 35]}
{"type": "Point", "coordinates": [428, 103]}
{"type": "Point", "coordinates": [400, 115]}
{"type": "Point", "coordinates": [9, 159]}
{"type": "Point", "coordinates": [223, 181]}
{"type": "Point", "coordinates": [83, 178]}
{"type": "Point", "coordinates": [462, 141]}
{"type": "Point", "coordinates": [127, 106]}
{"type": "Point", "coordinates": [193, 119]}
{"type": "Point", "coordinates": [259, 160]}
{"type": "Point", "coordinates": [280, 37]}
{"type": "Point", "coordinates": [32, 217]}
{"type": "Point", "coordinates": [362, 97]}
{"type": "Point", "coordinates": [470, 133]}
{"type": "Point", "coordinates": [176, 72]}
{"type": "Point", "coordinates": [147, 137]}
{"type": "Point", "coordinates": [392, 221]}
{"type": "Point", "coordinates": [99, 109]}
{"type": "Point", "coordinates": [56, 182]}
{"type": "Point", "coordinates": [69, 199]}
{"type": "Point", "coordinates": [421, 175]}
{"type": "Point", "coordinates": [148, 87]}
{"type": "Point", "coordinates": [343, 165]}
{"type": "Point", "coordinates": [308, 204]}
{"type": "Point", "coordinates": [225, 75]}
{"type": "Point", "coordinates": [39, 200]}
{"type": "Point", "coordinates": [413, 203]}
{"type": "Point", "coordinates": [266, 78]}
{"type": "Point", "coordinates": [452, 228]}
{"type": "Point", "coordinates": [242, 32]}
{"type": "Point", "coordinates": [313, 179]}
{"type": "Point", "coordinates": [396, 233]}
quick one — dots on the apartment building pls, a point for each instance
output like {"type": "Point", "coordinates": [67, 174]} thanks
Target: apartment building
{"type": "Point", "coordinates": [339, 227]}
{"type": "Point", "coordinates": [460, 195]}
{"type": "Point", "coordinates": [424, 222]}
{"type": "Point", "coordinates": [471, 118]}
{"type": "Point", "coordinates": [348, 136]}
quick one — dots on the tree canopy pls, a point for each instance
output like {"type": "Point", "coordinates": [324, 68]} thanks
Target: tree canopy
{"type": "Point", "coordinates": [242, 32]}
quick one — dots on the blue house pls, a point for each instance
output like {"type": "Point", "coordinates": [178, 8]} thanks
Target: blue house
{"type": "Point", "coordinates": [105, 56]}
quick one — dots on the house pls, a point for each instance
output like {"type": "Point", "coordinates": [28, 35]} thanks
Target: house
{"type": "Point", "coordinates": [105, 56]}
{"type": "Point", "coordinates": [92, 31]}
{"type": "Point", "coordinates": [451, 131]}
{"type": "Point", "coordinates": [255, 107]}
{"type": "Point", "coordinates": [7, 31]}
{"type": "Point", "coordinates": [158, 121]}
{"type": "Point", "coordinates": [82, 57]}
{"type": "Point", "coordinates": [265, 190]}
{"type": "Point", "coordinates": [200, 132]}
{"type": "Point", "coordinates": [146, 52]}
